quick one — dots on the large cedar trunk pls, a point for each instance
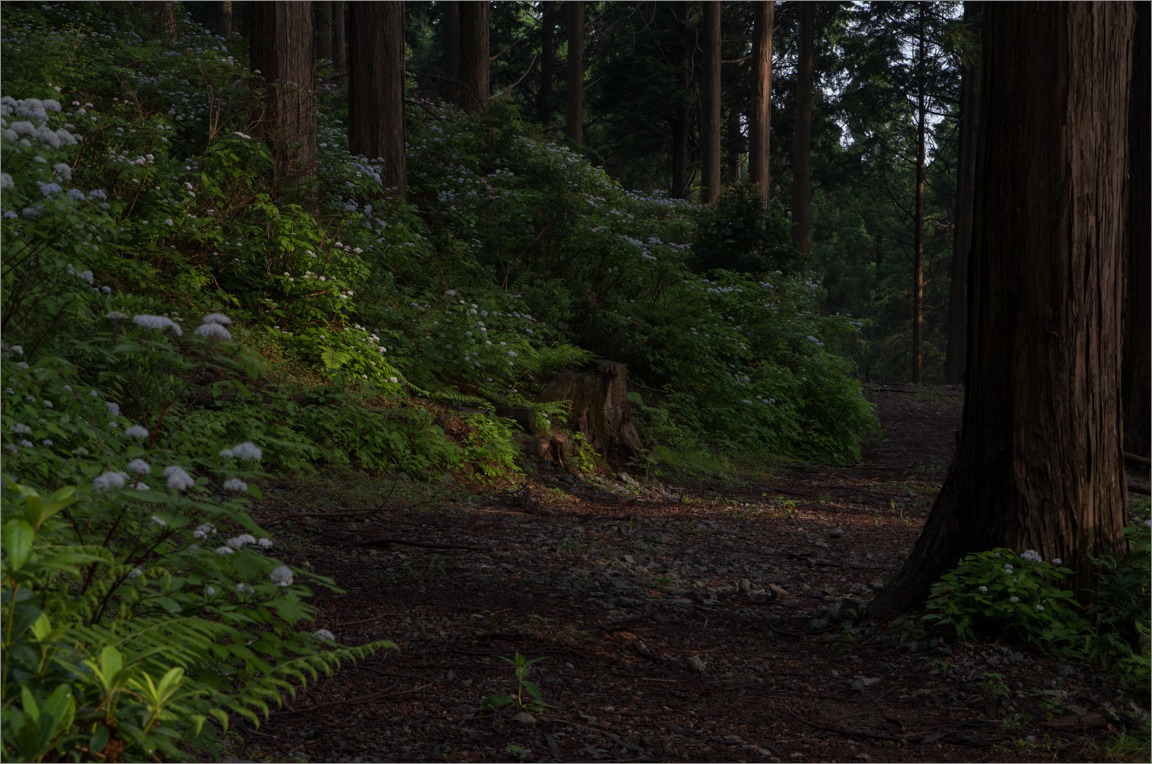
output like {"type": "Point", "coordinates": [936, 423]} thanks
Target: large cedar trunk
{"type": "Point", "coordinates": [323, 19]}
{"type": "Point", "coordinates": [599, 409]}
{"type": "Point", "coordinates": [575, 112]}
{"type": "Point", "coordinates": [682, 116]}
{"type": "Point", "coordinates": [1138, 300]}
{"type": "Point", "coordinates": [710, 107]}
{"type": "Point", "coordinates": [1039, 464]}
{"type": "Point", "coordinates": [802, 138]}
{"type": "Point", "coordinates": [965, 190]}
{"type": "Point", "coordinates": [339, 41]}
{"type": "Point", "coordinates": [474, 21]}
{"type": "Point", "coordinates": [376, 87]}
{"type": "Point", "coordinates": [759, 134]}
{"type": "Point", "coordinates": [282, 53]}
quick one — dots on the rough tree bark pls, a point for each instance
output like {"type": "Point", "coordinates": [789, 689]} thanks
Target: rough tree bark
{"type": "Point", "coordinates": [599, 409]}
{"type": "Point", "coordinates": [575, 114]}
{"type": "Point", "coordinates": [1138, 299]}
{"type": "Point", "coordinates": [965, 187]}
{"type": "Point", "coordinates": [682, 116]}
{"type": "Point", "coordinates": [282, 52]}
{"type": "Point", "coordinates": [710, 107]}
{"type": "Point", "coordinates": [802, 138]}
{"type": "Point", "coordinates": [376, 88]}
{"type": "Point", "coordinates": [759, 134]}
{"type": "Point", "coordinates": [1039, 464]}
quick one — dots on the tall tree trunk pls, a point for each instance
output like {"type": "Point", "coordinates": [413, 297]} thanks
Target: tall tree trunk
{"type": "Point", "coordinates": [376, 88]}
{"type": "Point", "coordinates": [682, 116]}
{"type": "Point", "coordinates": [575, 121]}
{"type": "Point", "coordinates": [733, 147]}
{"type": "Point", "coordinates": [339, 41]}
{"type": "Point", "coordinates": [282, 53]}
{"type": "Point", "coordinates": [965, 189]}
{"type": "Point", "coordinates": [710, 107]}
{"type": "Point", "coordinates": [918, 222]}
{"type": "Point", "coordinates": [163, 17]}
{"type": "Point", "coordinates": [547, 61]}
{"type": "Point", "coordinates": [759, 133]}
{"type": "Point", "coordinates": [474, 27]}
{"type": "Point", "coordinates": [224, 20]}
{"type": "Point", "coordinates": [451, 42]}
{"type": "Point", "coordinates": [1138, 298]}
{"type": "Point", "coordinates": [1039, 464]}
{"type": "Point", "coordinates": [323, 31]}
{"type": "Point", "coordinates": [802, 145]}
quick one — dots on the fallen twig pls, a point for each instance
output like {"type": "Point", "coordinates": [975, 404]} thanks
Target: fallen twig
{"type": "Point", "coordinates": [606, 733]}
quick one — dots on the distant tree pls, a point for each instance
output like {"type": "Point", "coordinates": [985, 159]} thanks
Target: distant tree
{"type": "Point", "coordinates": [802, 136]}
{"type": "Point", "coordinates": [281, 35]}
{"type": "Point", "coordinates": [965, 189]}
{"type": "Point", "coordinates": [575, 119]}
{"type": "Point", "coordinates": [339, 36]}
{"type": "Point", "coordinates": [547, 61]}
{"type": "Point", "coordinates": [1039, 464]}
{"type": "Point", "coordinates": [224, 19]}
{"type": "Point", "coordinates": [759, 122]}
{"type": "Point", "coordinates": [376, 87]}
{"type": "Point", "coordinates": [921, 89]}
{"type": "Point", "coordinates": [466, 54]}
{"type": "Point", "coordinates": [163, 14]}
{"type": "Point", "coordinates": [1138, 300]}
{"type": "Point", "coordinates": [323, 21]}
{"type": "Point", "coordinates": [710, 106]}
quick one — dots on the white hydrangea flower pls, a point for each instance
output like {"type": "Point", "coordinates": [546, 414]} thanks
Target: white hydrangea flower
{"type": "Point", "coordinates": [109, 480]}
{"type": "Point", "coordinates": [235, 484]}
{"type": "Point", "coordinates": [244, 451]}
{"type": "Point", "coordinates": [213, 331]}
{"type": "Point", "coordinates": [216, 318]}
{"type": "Point", "coordinates": [241, 541]}
{"type": "Point", "coordinates": [264, 543]}
{"type": "Point", "coordinates": [1031, 555]}
{"type": "Point", "coordinates": [157, 323]}
{"type": "Point", "coordinates": [325, 634]}
{"type": "Point", "coordinates": [136, 431]}
{"type": "Point", "coordinates": [204, 531]}
{"type": "Point", "coordinates": [281, 576]}
{"type": "Point", "coordinates": [224, 551]}
{"type": "Point", "coordinates": [178, 479]}
{"type": "Point", "coordinates": [139, 466]}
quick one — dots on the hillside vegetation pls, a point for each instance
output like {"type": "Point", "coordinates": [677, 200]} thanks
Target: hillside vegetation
{"type": "Point", "coordinates": [178, 322]}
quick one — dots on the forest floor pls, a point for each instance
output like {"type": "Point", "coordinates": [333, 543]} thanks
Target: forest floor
{"type": "Point", "coordinates": [702, 624]}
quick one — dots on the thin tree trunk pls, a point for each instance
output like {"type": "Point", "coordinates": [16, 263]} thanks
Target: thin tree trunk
{"type": "Point", "coordinates": [965, 189]}
{"type": "Point", "coordinates": [339, 40]}
{"type": "Point", "coordinates": [1138, 298]}
{"type": "Point", "coordinates": [547, 61]}
{"type": "Point", "coordinates": [575, 120]}
{"type": "Point", "coordinates": [282, 52]}
{"type": "Point", "coordinates": [918, 222]}
{"type": "Point", "coordinates": [323, 31]}
{"type": "Point", "coordinates": [376, 88]}
{"type": "Point", "coordinates": [224, 20]}
{"type": "Point", "coordinates": [682, 116]}
{"type": "Point", "coordinates": [710, 107]}
{"type": "Point", "coordinates": [802, 145]}
{"type": "Point", "coordinates": [451, 42]}
{"type": "Point", "coordinates": [759, 133]}
{"type": "Point", "coordinates": [1040, 462]}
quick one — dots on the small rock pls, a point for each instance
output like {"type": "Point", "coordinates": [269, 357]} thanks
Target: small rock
{"type": "Point", "coordinates": [745, 585]}
{"type": "Point", "coordinates": [817, 624]}
{"type": "Point", "coordinates": [913, 646]}
{"type": "Point", "coordinates": [859, 682]}
{"type": "Point", "coordinates": [1063, 670]}
{"type": "Point", "coordinates": [524, 718]}
{"type": "Point", "coordinates": [696, 663]}
{"type": "Point", "coordinates": [1015, 657]}
{"type": "Point", "coordinates": [836, 533]}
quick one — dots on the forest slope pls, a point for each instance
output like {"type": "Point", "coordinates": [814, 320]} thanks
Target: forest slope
{"type": "Point", "coordinates": [671, 626]}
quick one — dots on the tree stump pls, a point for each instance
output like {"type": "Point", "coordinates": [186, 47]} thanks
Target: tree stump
{"type": "Point", "coordinates": [599, 410]}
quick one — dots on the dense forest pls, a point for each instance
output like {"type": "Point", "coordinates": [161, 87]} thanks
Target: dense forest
{"type": "Point", "coordinates": [464, 243]}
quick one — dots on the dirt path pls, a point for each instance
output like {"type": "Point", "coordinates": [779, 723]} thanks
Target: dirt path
{"type": "Point", "coordinates": [671, 627]}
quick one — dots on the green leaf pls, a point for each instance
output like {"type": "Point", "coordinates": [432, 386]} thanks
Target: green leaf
{"type": "Point", "coordinates": [497, 701]}
{"type": "Point", "coordinates": [18, 537]}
